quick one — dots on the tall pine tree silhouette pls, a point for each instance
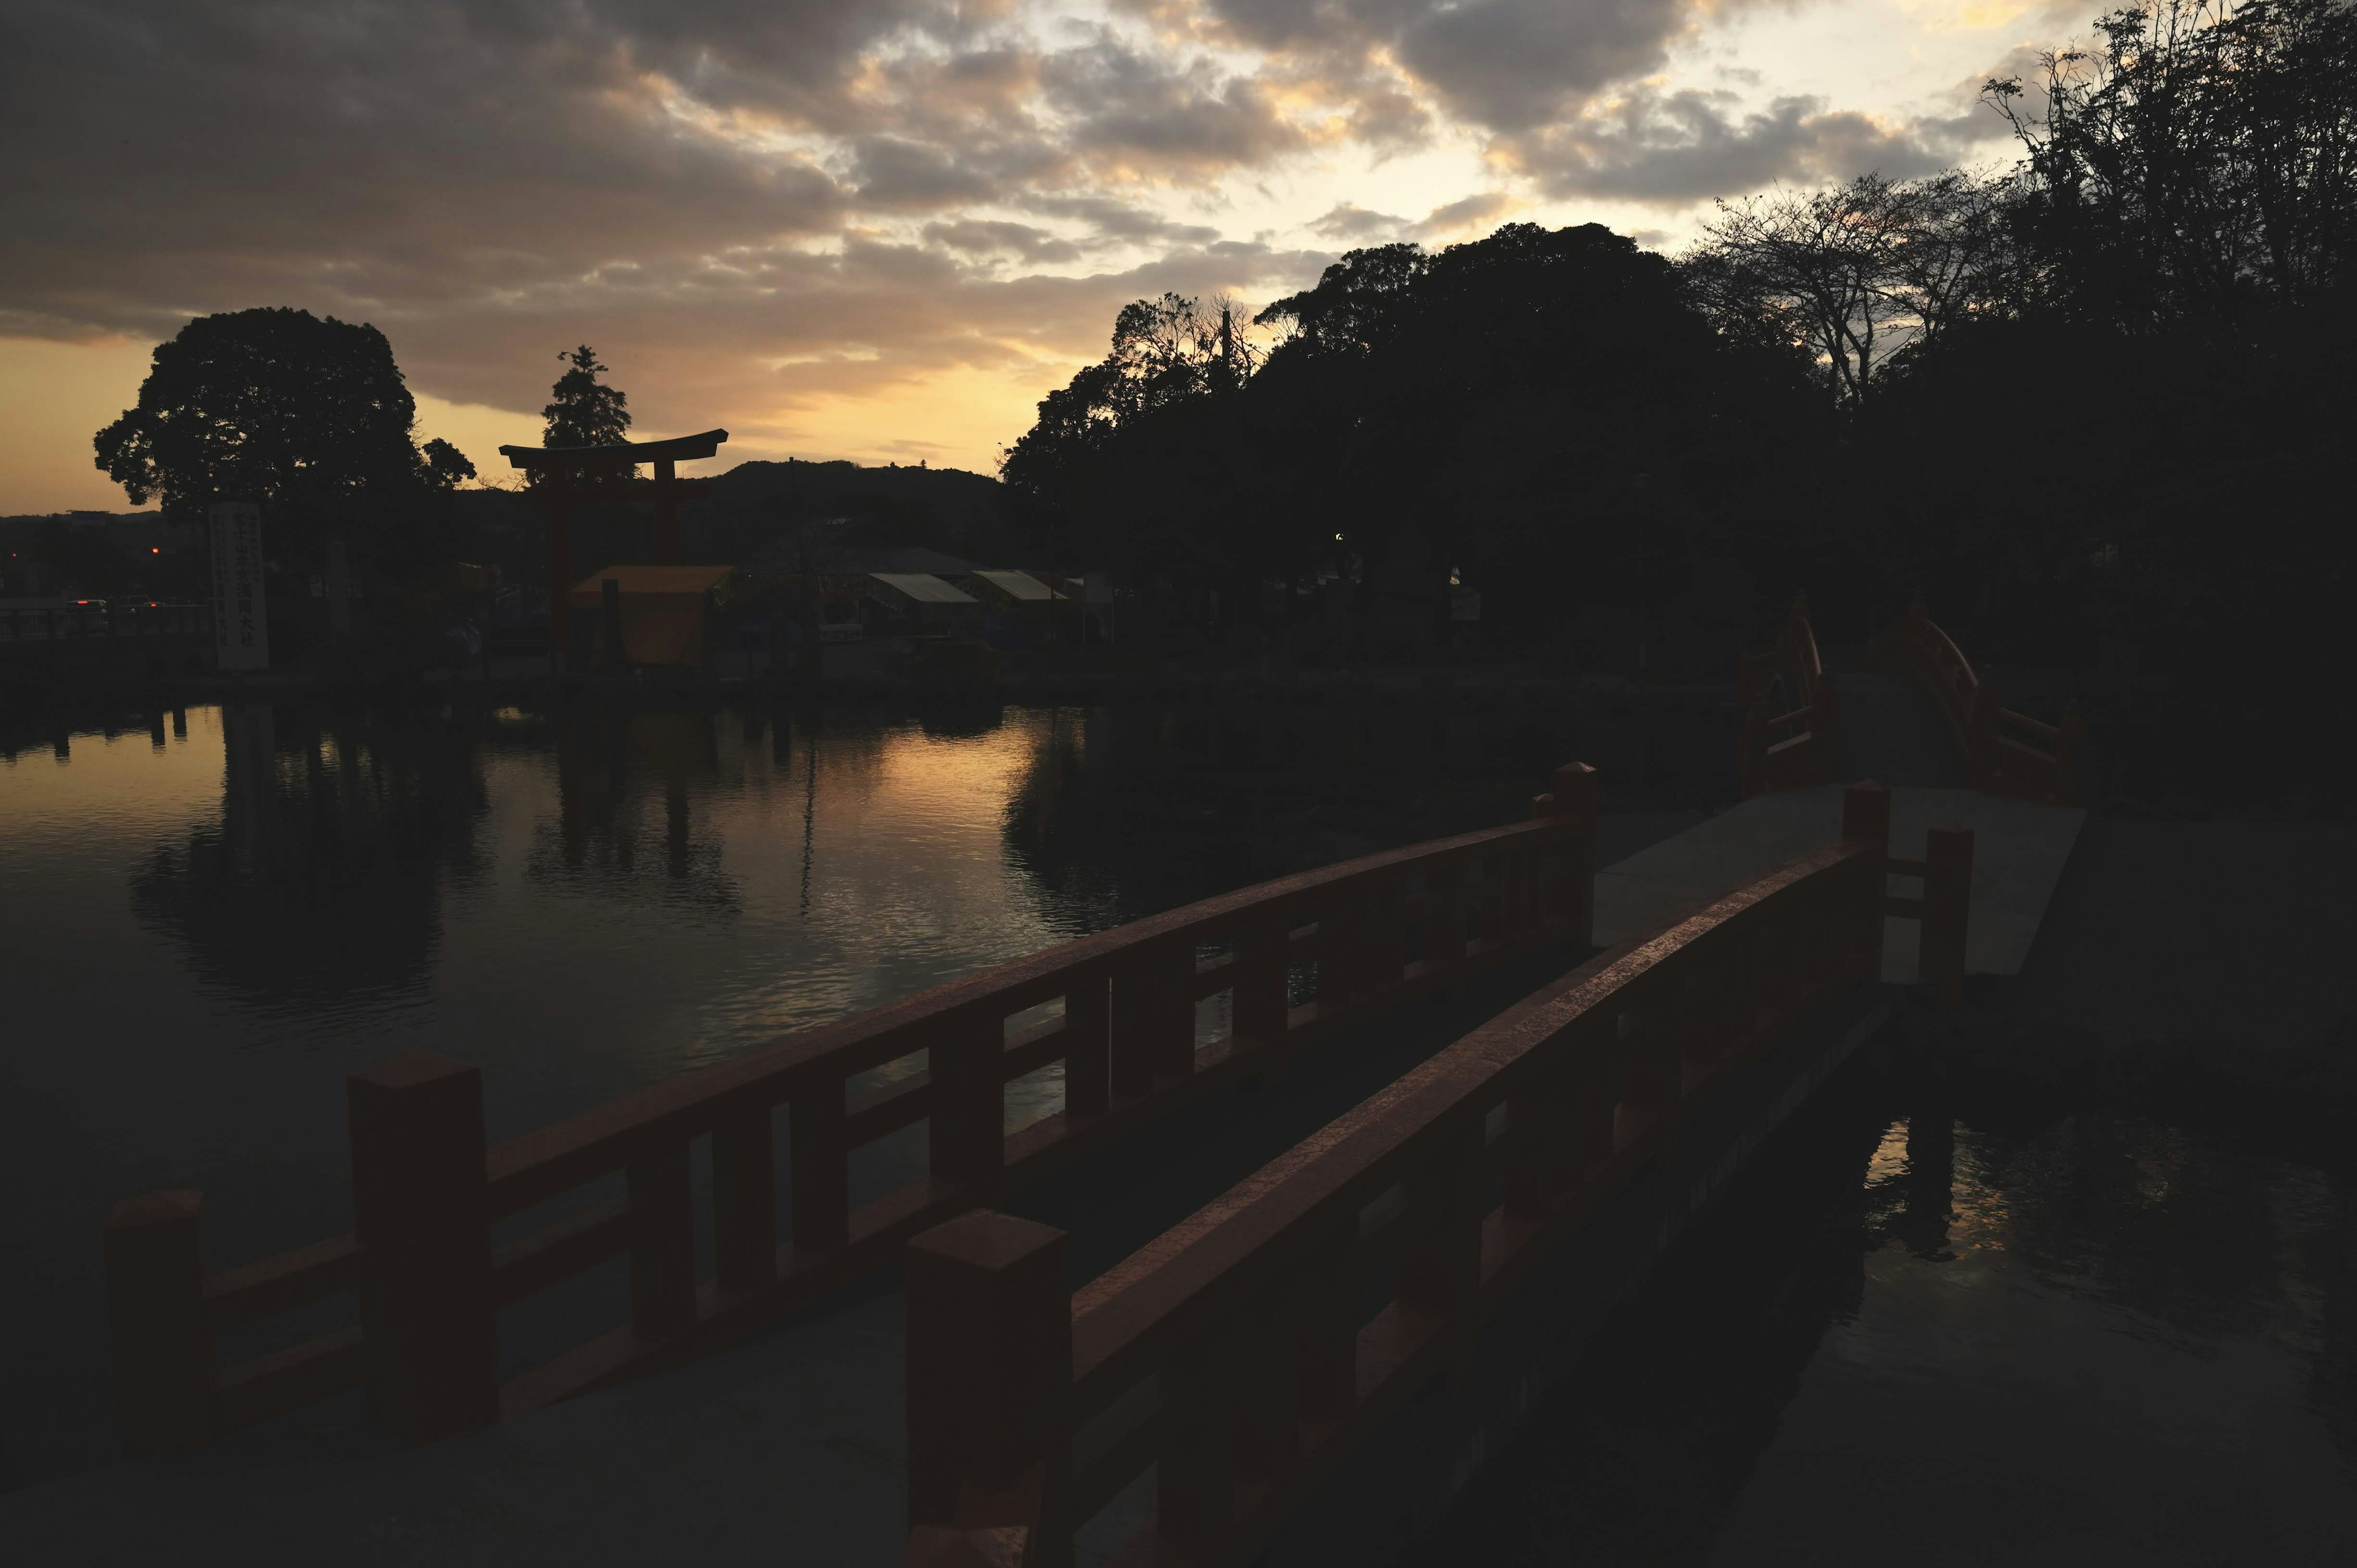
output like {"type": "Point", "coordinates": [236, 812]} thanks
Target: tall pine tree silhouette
{"type": "Point", "coordinates": [582, 411]}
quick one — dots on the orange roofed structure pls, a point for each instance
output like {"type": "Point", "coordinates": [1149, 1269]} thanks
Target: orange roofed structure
{"type": "Point", "coordinates": [662, 611]}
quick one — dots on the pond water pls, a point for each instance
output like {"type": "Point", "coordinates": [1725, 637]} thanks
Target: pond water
{"type": "Point", "coordinates": [1954, 1322]}
{"type": "Point", "coordinates": [207, 920]}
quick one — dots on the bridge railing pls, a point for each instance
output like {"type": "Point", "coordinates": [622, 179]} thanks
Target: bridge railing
{"type": "Point", "coordinates": [1787, 750]}
{"type": "Point", "coordinates": [2006, 753]}
{"type": "Point", "coordinates": [1299, 959]}
{"type": "Point", "coordinates": [1234, 1356]}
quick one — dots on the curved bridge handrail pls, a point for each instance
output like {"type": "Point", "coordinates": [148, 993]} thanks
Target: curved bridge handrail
{"type": "Point", "coordinates": [1231, 1354]}
{"type": "Point", "coordinates": [1997, 762]}
{"type": "Point", "coordinates": [1784, 751]}
{"type": "Point", "coordinates": [426, 1191]}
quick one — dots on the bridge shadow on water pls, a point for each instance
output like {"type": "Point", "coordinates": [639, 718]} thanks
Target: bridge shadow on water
{"type": "Point", "coordinates": [1955, 1320]}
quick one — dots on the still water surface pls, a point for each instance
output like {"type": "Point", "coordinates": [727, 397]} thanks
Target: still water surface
{"type": "Point", "coordinates": [1954, 1322]}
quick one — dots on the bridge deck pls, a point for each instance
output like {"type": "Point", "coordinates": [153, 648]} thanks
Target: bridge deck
{"type": "Point", "coordinates": [2019, 850]}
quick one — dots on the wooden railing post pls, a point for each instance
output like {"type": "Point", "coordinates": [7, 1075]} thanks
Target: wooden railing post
{"type": "Point", "coordinates": [155, 1249]}
{"type": "Point", "coordinates": [1444, 917]}
{"type": "Point", "coordinates": [821, 1171]}
{"type": "Point", "coordinates": [968, 1126]}
{"type": "Point", "coordinates": [1258, 997]}
{"type": "Point", "coordinates": [1195, 1473]}
{"type": "Point", "coordinates": [1385, 933]}
{"type": "Point", "coordinates": [1440, 1266]}
{"type": "Point", "coordinates": [1650, 1068]}
{"type": "Point", "coordinates": [1088, 1064]}
{"type": "Point", "coordinates": [1539, 1168]}
{"type": "Point", "coordinates": [989, 1356]}
{"type": "Point", "coordinates": [1152, 1017]}
{"type": "Point", "coordinates": [420, 1214]}
{"type": "Point", "coordinates": [1584, 1097]}
{"type": "Point", "coordinates": [1947, 907]}
{"type": "Point", "coordinates": [1341, 948]}
{"type": "Point", "coordinates": [744, 1200]}
{"type": "Point", "coordinates": [1577, 797]}
{"type": "Point", "coordinates": [1325, 1326]}
{"type": "Point", "coordinates": [662, 1255]}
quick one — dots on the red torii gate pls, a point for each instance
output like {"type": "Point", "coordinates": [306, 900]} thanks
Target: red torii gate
{"type": "Point", "coordinates": [606, 470]}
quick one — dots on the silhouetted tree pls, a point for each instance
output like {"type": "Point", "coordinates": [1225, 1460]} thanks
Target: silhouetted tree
{"type": "Point", "coordinates": [1855, 274]}
{"type": "Point", "coordinates": [273, 406]}
{"type": "Point", "coordinates": [582, 409]}
{"type": "Point", "coordinates": [1535, 409]}
{"type": "Point", "coordinates": [445, 464]}
{"type": "Point", "coordinates": [2200, 162]}
{"type": "Point", "coordinates": [1151, 397]}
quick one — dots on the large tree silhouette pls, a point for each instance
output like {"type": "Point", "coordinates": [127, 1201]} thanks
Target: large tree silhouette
{"type": "Point", "coordinates": [583, 411]}
{"type": "Point", "coordinates": [273, 406]}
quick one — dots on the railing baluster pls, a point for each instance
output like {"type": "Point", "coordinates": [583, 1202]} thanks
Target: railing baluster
{"type": "Point", "coordinates": [1444, 917]}
{"type": "Point", "coordinates": [1346, 949]}
{"type": "Point", "coordinates": [744, 1200]}
{"type": "Point", "coordinates": [1087, 1062]}
{"type": "Point", "coordinates": [818, 1160]}
{"type": "Point", "coordinates": [1152, 1017]}
{"type": "Point", "coordinates": [662, 1255]}
{"type": "Point", "coordinates": [1175, 1057]}
{"type": "Point", "coordinates": [1385, 934]}
{"type": "Point", "coordinates": [1262, 948]}
{"type": "Point", "coordinates": [1326, 1325]}
{"type": "Point", "coordinates": [1194, 1475]}
{"type": "Point", "coordinates": [1130, 1044]}
{"type": "Point", "coordinates": [1440, 1267]}
{"type": "Point", "coordinates": [1266, 1433]}
{"type": "Point", "coordinates": [968, 1143]}
{"type": "Point", "coordinates": [1650, 1060]}
{"type": "Point", "coordinates": [156, 1312]}
{"type": "Point", "coordinates": [421, 1215]}
{"type": "Point", "coordinates": [1534, 1124]}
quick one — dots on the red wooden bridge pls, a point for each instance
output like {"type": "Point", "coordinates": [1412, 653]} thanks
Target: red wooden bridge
{"type": "Point", "coordinates": [1239, 1357]}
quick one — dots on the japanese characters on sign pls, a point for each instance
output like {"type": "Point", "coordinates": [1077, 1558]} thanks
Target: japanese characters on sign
{"type": "Point", "coordinates": [240, 620]}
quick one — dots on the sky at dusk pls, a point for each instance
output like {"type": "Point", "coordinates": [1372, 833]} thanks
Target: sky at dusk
{"type": "Point", "coordinates": [869, 229]}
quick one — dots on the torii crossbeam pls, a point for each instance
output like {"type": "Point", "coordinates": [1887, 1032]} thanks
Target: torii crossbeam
{"type": "Point", "coordinates": [556, 467]}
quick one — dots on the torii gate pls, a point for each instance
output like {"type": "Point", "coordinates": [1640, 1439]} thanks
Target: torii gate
{"type": "Point", "coordinates": [604, 465]}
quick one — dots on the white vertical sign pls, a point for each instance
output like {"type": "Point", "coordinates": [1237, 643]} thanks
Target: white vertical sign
{"type": "Point", "coordinates": [241, 621]}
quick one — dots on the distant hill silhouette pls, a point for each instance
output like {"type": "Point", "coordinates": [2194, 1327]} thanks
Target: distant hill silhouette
{"type": "Point", "coordinates": [947, 509]}
{"type": "Point", "coordinates": [752, 512]}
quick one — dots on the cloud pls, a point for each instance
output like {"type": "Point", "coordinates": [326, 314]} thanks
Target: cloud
{"type": "Point", "coordinates": [1135, 115]}
{"type": "Point", "coordinates": [1348, 224]}
{"type": "Point", "coordinates": [1469, 215]}
{"type": "Point", "coordinates": [1112, 221]}
{"type": "Point", "coordinates": [979, 237]}
{"type": "Point", "coordinates": [1505, 65]}
{"type": "Point", "coordinates": [1676, 148]}
{"type": "Point", "coordinates": [759, 206]}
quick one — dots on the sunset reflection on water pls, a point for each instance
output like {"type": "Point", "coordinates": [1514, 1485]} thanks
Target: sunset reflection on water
{"type": "Point", "coordinates": [202, 937]}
